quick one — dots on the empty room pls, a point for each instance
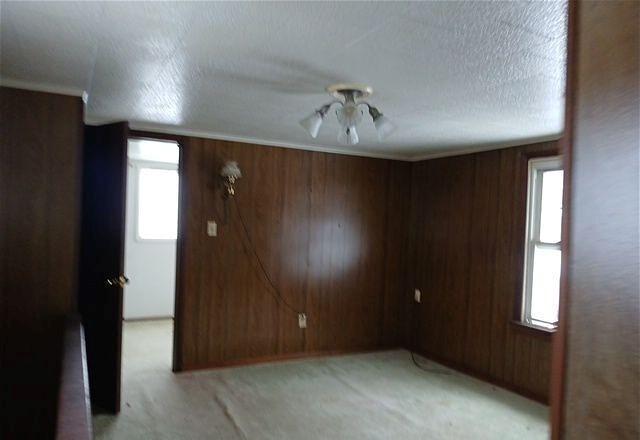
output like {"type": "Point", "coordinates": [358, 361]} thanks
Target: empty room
{"type": "Point", "coordinates": [319, 220]}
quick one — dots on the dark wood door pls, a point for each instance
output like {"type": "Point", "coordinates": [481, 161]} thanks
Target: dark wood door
{"type": "Point", "coordinates": [102, 258]}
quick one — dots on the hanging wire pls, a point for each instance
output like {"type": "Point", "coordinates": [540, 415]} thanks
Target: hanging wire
{"type": "Point", "coordinates": [275, 292]}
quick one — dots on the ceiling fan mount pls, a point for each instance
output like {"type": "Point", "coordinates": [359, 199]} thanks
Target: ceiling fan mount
{"type": "Point", "coordinates": [358, 91]}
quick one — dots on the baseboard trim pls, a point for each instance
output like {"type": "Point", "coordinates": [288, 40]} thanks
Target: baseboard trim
{"type": "Point", "coordinates": [285, 357]}
{"type": "Point", "coordinates": [484, 377]}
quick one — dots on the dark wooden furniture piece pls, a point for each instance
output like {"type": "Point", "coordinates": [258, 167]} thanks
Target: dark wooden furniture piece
{"type": "Point", "coordinates": [74, 408]}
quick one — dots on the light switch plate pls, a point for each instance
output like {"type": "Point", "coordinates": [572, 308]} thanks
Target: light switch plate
{"type": "Point", "coordinates": [212, 228]}
{"type": "Point", "coordinates": [302, 320]}
{"type": "Point", "coordinates": [417, 295]}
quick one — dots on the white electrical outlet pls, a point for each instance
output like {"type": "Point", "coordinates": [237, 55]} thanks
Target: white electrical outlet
{"type": "Point", "coordinates": [417, 295]}
{"type": "Point", "coordinates": [212, 228]}
{"type": "Point", "coordinates": [302, 320]}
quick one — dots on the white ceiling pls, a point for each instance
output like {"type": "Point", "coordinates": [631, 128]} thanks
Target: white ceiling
{"type": "Point", "coordinates": [453, 76]}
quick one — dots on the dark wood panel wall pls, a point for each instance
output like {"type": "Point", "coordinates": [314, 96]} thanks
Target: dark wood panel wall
{"type": "Point", "coordinates": [333, 233]}
{"type": "Point", "coordinates": [468, 216]}
{"type": "Point", "coordinates": [40, 142]}
{"type": "Point", "coordinates": [602, 377]}
{"type": "Point", "coordinates": [330, 231]}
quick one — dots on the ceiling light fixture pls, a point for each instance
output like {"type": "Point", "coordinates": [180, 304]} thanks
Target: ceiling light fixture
{"type": "Point", "coordinates": [350, 97]}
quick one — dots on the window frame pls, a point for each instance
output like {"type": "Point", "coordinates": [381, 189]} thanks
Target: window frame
{"type": "Point", "coordinates": [138, 165]}
{"type": "Point", "coordinates": [536, 166]}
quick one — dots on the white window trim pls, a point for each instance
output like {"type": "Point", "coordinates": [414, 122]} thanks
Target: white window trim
{"type": "Point", "coordinates": [137, 166]}
{"type": "Point", "coordinates": [532, 239]}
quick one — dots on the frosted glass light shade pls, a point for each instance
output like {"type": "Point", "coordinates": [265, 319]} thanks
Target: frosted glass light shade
{"type": "Point", "coordinates": [384, 127]}
{"type": "Point", "coordinates": [348, 135]}
{"type": "Point", "coordinates": [312, 123]}
{"type": "Point", "coordinates": [349, 115]}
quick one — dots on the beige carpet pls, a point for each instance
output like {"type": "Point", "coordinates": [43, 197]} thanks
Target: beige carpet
{"type": "Point", "coordinates": [370, 396]}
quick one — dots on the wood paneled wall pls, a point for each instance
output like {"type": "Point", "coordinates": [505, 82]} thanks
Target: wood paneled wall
{"type": "Point", "coordinates": [40, 142]}
{"type": "Point", "coordinates": [468, 216]}
{"type": "Point", "coordinates": [602, 377]}
{"type": "Point", "coordinates": [330, 231]}
{"type": "Point", "coordinates": [346, 239]}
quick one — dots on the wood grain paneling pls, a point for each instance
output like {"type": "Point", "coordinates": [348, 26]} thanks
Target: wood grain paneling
{"type": "Point", "coordinates": [602, 378]}
{"type": "Point", "coordinates": [468, 216]}
{"type": "Point", "coordinates": [329, 230]}
{"type": "Point", "coordinates": [559, 342]}
{"type": "Point", "coordinates": [40, 144]}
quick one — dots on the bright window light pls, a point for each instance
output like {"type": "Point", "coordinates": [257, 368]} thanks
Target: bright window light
{"type": "Point", "coordinates": [541, 291]}
{"type": "Point", "coordinates": [157, 204]}
{"type": "Point", "coordinates": [153, 151]}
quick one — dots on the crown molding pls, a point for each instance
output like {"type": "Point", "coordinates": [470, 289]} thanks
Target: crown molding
{"type": "Point", "coordinates": [40, 87]}
{"type": "Point", "coordinates": [152, 128]}
{"type": "Point", "coordinates": [485, 147]}
{"type": "Point", "coordinates": [250, 140]}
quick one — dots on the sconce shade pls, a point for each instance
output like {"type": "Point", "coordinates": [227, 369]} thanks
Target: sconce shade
{"type": "Point", "coordinates": [231, 169]}
{"type": "Point", "coordinates": [230, 172]}
{"type": "Point", "coordinates": [312, 123]}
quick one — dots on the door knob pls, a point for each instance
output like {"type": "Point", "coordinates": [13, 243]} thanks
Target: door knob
{"type": "Point", "coordinates": [120, 281]}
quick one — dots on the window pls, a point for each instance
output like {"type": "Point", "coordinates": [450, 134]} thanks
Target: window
{"type": "Point", "coordinates": [157, 203]}
{"type": "Point", "coordinates": [542, 250]}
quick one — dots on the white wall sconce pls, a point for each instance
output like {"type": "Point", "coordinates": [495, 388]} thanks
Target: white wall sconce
{"type": "Point", "coordinates": [230, 172]}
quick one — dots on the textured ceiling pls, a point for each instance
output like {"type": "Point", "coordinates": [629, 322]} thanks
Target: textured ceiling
{"type": "Point", "coordinates": [452, 75]}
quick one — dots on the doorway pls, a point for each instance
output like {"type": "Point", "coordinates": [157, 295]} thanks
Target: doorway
{"type": "Point", "coordinates": [108, 227]}
{"type": "Point", "coordinates": [151, 226]}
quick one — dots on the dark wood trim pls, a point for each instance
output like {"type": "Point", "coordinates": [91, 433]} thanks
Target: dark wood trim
{"type": "Point", "coordinates": [74, 407]}
{"type": "Point", "coordinates": [483, 377]}
{"type": "Point", "coordinates": [141, 134]}
{"type": "Point", "coordinates": [532, 330]}
{"type": "Point", "coordinates": [178, 312]}
{"type": "Point", "coordinates": [284, 358]}
{"type": "Point", "coordinates": [558, 345]}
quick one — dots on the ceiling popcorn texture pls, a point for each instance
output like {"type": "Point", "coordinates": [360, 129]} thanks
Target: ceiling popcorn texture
{"type": "Point", "coordinates": [453, 76]}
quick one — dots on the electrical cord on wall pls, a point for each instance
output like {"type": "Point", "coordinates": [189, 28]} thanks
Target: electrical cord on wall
{"type": "Point", "coordinates": [428, 370]}
{"type": "Point", "coordinates": [412, 343]}
{"type": "Point", "coordinates": [275, 292]}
